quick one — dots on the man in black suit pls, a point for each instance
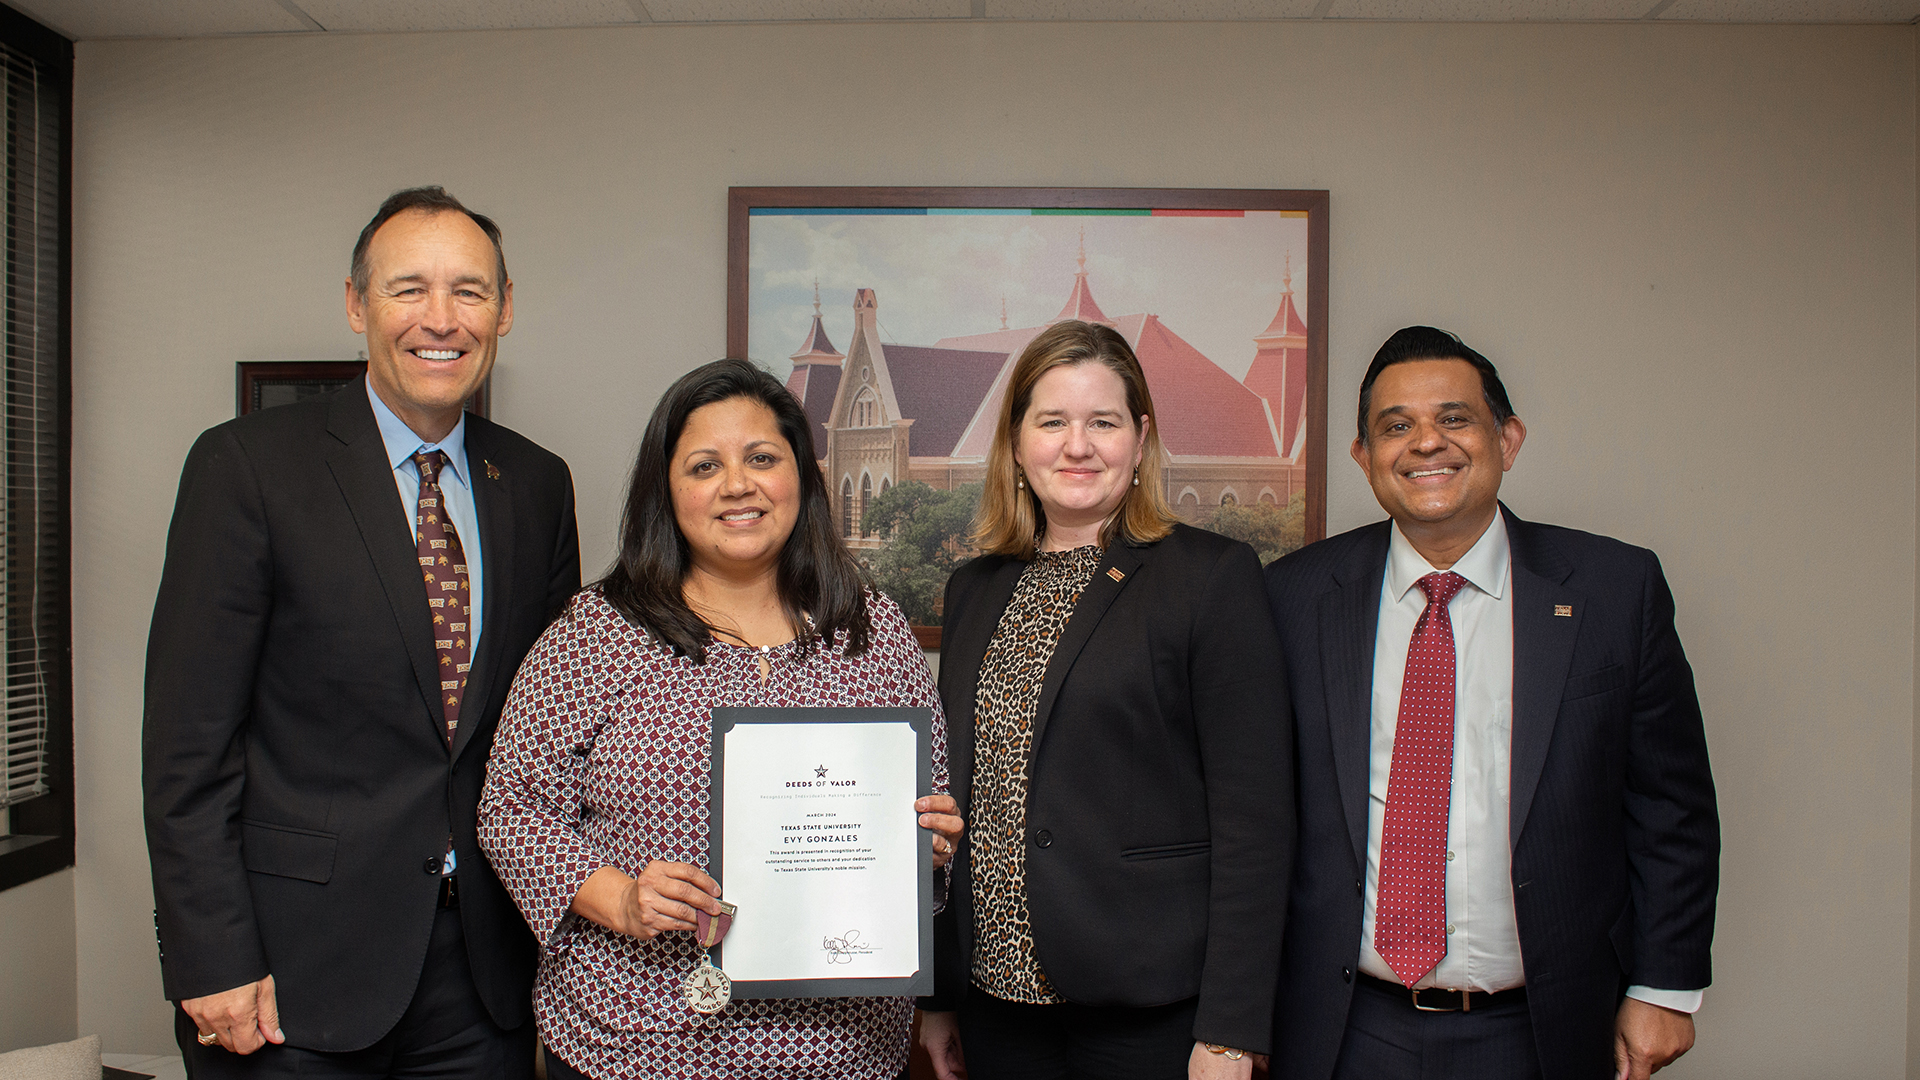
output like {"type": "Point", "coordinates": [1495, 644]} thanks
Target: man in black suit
{"type": "Point", "coordinates": [1509, 847]}
{"type": "Point", "coordinates": [350, 583]}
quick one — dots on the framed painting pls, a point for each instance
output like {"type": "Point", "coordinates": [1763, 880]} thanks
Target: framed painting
{"type": "Point", "coordinates": [262, 384]}
{"type": "Point", "coordinates": [896, 314]}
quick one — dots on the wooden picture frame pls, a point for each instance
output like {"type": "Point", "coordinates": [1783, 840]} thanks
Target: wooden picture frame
{"type": "Point", "coordinates": [1211, 265]}
{"type": "Point", "coordinates": [262, 384]}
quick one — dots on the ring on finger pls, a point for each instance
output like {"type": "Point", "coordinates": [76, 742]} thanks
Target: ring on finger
{"type": "Point", "coordinates": [207, 1038]}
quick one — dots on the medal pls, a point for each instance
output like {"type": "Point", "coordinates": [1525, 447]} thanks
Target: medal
{"type": "Point", "coordinates": [706, 987]}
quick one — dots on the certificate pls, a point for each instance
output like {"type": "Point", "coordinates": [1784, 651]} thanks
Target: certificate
{"type": "Point", "coordinates": [816, 842]}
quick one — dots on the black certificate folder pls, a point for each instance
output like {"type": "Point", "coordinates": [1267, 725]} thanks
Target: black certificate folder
{"type": "Point", "coordinates": [814, 837]}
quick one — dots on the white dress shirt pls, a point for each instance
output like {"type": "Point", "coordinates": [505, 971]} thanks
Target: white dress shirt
{"type": "Point", "coordinates": [1483, 938]}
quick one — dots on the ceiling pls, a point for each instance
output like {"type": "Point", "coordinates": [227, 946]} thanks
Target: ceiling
{"type": "Point", "coordinates": [85, 20]}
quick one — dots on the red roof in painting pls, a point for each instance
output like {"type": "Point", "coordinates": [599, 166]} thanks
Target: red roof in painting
{"type": "Point", "coordinates": [1279, 370]}
{"type": "Point", "coordinates": [815, 385]}
{"type": "Point", "coordinates": [1286, 322]}
{"type": "Point", "coordinates": [939, 389]}
{"type": "Point", "coordinates": [1202, 410]}
{"type": "Point", "coordinates": [953, 389]}
{"type": "Point", "coordinates": [1080, 305]}
{"type": "Point", "coordinates": [1000, 341]}
{"type": "Point", "coordinates": [816, 374]}
{"type": "Point", "coordinates": [817, 348]}
{"type": "Point", "coordinates": [1273, 378]}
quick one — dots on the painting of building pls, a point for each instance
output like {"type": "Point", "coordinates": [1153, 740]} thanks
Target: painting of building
{"type": "Point", "coordinates": [890, 412]}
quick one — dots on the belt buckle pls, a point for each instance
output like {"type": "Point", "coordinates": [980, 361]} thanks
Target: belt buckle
{"type": "Point", "coordinates": [1465, 1000]}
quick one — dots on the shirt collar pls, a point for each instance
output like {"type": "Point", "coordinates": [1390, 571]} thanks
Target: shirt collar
{"type": "Point", "coordinates": [403, 442]}
{"type": "Point", "coordinates": [1485, 565]}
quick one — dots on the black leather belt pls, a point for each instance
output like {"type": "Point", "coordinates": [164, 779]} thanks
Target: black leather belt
{"type": "Point", "coordinates": [450, 891]}
{"type": "Point", "coordinates": [1435, 999]}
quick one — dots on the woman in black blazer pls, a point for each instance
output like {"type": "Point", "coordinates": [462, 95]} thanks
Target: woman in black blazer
{"type": "Point", "coordinates": [1120, 747]}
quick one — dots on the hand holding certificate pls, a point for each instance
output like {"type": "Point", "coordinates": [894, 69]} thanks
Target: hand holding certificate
{"type": "Point", "coordinates": [816, 842]}
{"type": "Point", "coordinates": [732, 586]}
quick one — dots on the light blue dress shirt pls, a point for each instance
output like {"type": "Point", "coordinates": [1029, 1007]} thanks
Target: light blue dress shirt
{"type": "Point", "coordinates": [456, 489]}
{"type": "Point", "coordinates": [456, 483]}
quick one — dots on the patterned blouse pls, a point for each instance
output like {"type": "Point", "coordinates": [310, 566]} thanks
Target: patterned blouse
{"type": "Point", "coordinates": [602, 760]}
{"type": "Point", "coordinates": [1009, 691]}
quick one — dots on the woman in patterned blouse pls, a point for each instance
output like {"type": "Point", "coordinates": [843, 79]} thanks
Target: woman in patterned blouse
{"type": "Point", "coordinates": [732, 589]}
{"type": "Point", "coordinates": [1120, 741]}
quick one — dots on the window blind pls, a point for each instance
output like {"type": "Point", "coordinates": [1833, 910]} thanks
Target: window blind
{"type": "Point", "coordinates": [32, 581]}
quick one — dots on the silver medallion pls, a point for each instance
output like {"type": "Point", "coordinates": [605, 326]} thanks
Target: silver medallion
{"type": "Point", "coordinates": [707, 988]}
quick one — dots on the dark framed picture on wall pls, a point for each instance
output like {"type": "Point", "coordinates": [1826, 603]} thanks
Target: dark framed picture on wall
{"type": "Point", "coordinates": [896, 315]}
{"type": "Point", "coordinates": [262, 384]}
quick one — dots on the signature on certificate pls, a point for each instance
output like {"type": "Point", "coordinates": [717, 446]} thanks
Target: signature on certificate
{"type": "Point", "coordinates": [842, 949]}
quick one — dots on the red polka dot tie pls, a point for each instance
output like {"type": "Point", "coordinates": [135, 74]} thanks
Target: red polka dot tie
{"type": "Point", "coordinates": [444, 567]}
{"type": "Point", "coordinates": [1410, 912]}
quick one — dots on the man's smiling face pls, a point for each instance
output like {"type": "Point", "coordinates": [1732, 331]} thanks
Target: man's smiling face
{"type": "Point", "coordinates": [1433, 454]}
{"type": "Point", "coordinates": [433, 315]}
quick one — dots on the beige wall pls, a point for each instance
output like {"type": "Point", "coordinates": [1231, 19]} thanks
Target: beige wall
{"type": "Point", "coordinates": [1913, 912]}
{"type": "Point", "coordinates": [1693, 249]}
{"type": "Point", "coordinates": [36, 953]}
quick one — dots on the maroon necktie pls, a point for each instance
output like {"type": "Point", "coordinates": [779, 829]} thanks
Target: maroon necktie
{"type": "Point", "coordinates": [1410, 912]}
{"type": "Point", "coordinates": [444, 566]}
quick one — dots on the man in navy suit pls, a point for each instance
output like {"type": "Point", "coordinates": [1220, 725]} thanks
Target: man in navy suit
{"type": "Point", "coordinates": [1509, 846]}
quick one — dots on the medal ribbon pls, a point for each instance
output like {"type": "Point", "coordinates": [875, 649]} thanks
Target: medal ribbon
{"type": "Point", "coordinates": [707, 988]}
{"type": "Point", "coordinates": [712, 928]}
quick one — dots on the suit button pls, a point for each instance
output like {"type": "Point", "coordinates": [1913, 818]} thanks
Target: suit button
{"type": "Point", "coordinates": [432, 866]}
{"type": "Point", "coordinates": [1346, 974]}
{"type": "Point", "coordinates": [1043, 838]}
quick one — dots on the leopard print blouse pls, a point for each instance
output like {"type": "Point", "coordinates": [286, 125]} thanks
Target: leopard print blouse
{"type": "Point", "coordinates": [1010, 677]}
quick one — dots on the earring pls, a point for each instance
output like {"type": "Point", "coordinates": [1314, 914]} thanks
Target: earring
{"type": "Point", "coordinates": [1136, 476]}
{"type": "Point", "coordinates": [1020, 479]}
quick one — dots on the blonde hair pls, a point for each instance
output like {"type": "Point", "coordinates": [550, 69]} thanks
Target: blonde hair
{"type": "Point", "coordinates": [1010, 519]}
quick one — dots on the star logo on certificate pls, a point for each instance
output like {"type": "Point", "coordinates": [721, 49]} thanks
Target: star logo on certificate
{"type": "Point", "coordinates": [820, 771]}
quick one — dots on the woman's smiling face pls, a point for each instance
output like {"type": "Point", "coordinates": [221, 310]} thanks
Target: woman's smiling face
{"type": "Point", "coordinates": [1077, 444]}
{"type": "Point", "coordinates": [736, 487]}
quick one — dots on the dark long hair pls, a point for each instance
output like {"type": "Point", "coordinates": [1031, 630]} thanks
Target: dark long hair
{"type": "Point", "coordinates": [816, 575]}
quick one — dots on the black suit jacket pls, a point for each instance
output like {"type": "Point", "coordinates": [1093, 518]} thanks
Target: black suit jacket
{"type": "Point", "coordinates": [1615, 837]}
{"type": "Point", "coordinates": [299, 789]}
{"type": "Point", "coordinates": [1160, 805]}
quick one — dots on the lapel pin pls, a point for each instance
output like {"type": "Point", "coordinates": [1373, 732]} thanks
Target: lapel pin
{"type": "Point", "coordinates": [493, 471]}
{"type": "Point", "coordinates": [1114, 573]}
{"type": "Point", "coordinates": [1563, 610]}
